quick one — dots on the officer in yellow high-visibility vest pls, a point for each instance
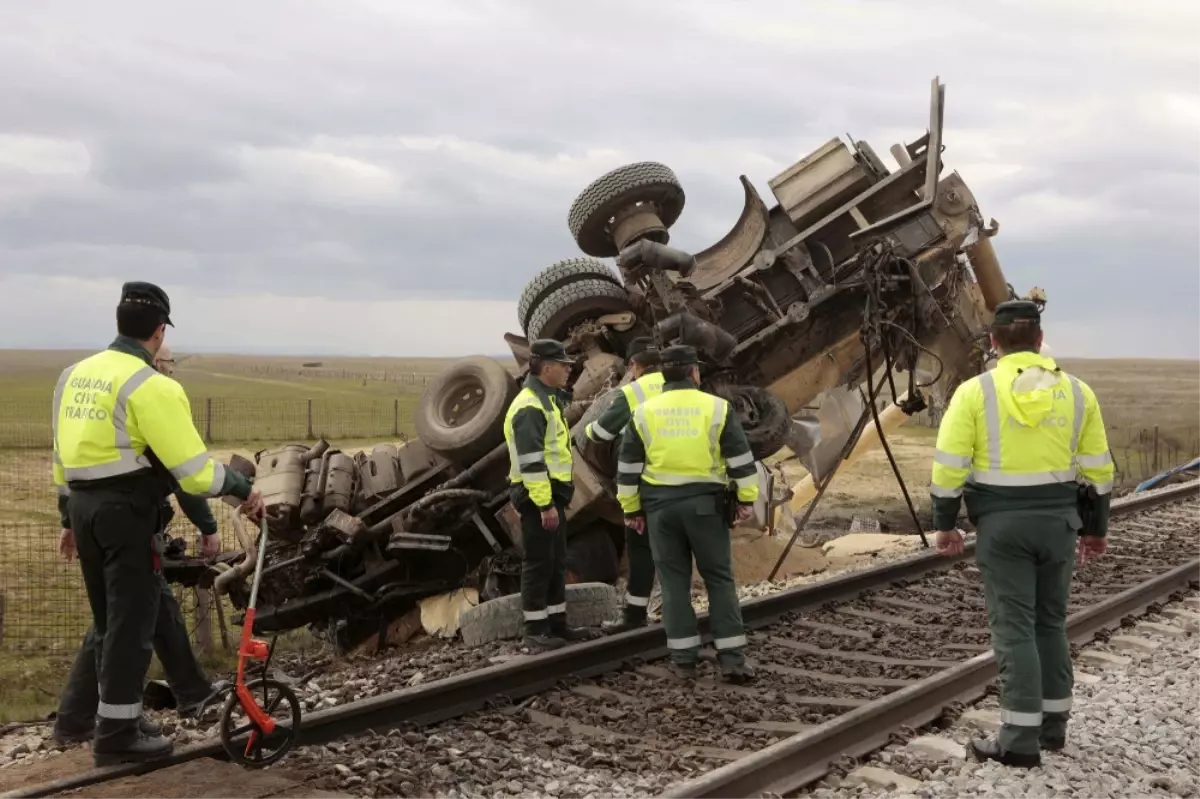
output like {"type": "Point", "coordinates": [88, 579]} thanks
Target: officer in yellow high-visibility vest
{"type": "Point", "coordinates": [541, 487]}
{"type": "Point", "coordinates": [124, 439]}
{"type": "Point", "coordinates": [645, 365]}
{"type": "Point", "coordinates": [1019, 443]}
{"type": "Point", "coordinates": [75, 721]}
{"type": "Point", "coordinates": [676, 461]}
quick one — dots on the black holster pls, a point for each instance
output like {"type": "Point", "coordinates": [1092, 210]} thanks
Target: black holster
{"type": "Point", "coordinates": [730, 505]}
{"type": "Point", "coordinates": [1086, 500]}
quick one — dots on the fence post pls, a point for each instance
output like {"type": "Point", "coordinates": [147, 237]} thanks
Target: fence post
{"type": "Point", "coordinates": [1156, 461]}
{"type": "Point", "coordinates": [310, 424]}
{"type": "Point", "coordinates": [203, 621]}
{"type": "Point", "coordinates": [208, 419]}
{"type": "Point", "coordinates": [396, 416]}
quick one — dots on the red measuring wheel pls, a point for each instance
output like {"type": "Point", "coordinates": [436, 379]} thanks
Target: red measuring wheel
{"type": "Point", "coordinates": [258, 733]}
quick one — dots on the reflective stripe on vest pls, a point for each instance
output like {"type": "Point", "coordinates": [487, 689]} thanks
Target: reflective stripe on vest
{"type": "Point", "coordinates": [994, 474]}
{"type": "Point", "coordinates": [106, 418]}
{"type": "Point", "coordinates": [658, 442]}
{"type": "Point", "coordinates": [642, 389]}
{"type": "Point", "coordinates": [556, 448]}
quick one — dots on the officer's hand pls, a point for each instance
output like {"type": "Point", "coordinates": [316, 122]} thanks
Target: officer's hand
{"type": "Point", "coordinates": [637, 523]}
{"type": "Point", "coordinates": [1090, 546]}
{"type": "Point", "coordinates": [550, 518]}
{"type": "Point", "coordinates": [210, 545]}
{"type": "Point", "coordinates": [744, 513]}
{"type": "Point", "coordinates": [253, 507]}
{"type": "Point", "coordinates": [66, 543]}
{"type": "Point", "coordinates": [949, 542]}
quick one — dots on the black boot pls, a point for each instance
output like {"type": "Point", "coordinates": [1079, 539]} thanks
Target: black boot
{"type": "Point", "coordinates": [539, 638]}
{"type": "Point", "coordinates": [632, 617]}
{"type": "Point", "coordinates": [63, 737]}
{"type": "Point", "coordinates": [1053, 744]}
{"type": "Point", "coordinates": [740, 674]}
{"type": "Point", "coordinates": [559, 629]}
{"type": "Point", "coordinates": [684, 671]}
{"type": "Point", "coordinates": [196, 709]}
{"type": "Point", "coordinates": [989, 749]}
{"type": "Point", "coordinates": [143, 749]}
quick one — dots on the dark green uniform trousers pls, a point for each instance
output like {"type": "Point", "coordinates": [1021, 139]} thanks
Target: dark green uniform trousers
{"type": "Point", "coordinates": [1026, 559]}
{"type": "Point", "coordinates": [77, 708]}
{"type": "Point", "coordinates": [543, 570]}
{"type": "Point", "coordinates": [679, 530]}
{"type": "Point", "coordinates": [641, 573]}
{"type": "Point", "coordinates": [114, 529]}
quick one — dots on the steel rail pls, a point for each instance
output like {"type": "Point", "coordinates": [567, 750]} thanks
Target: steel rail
{"type": "Point", "coordinates": [798, 761]}
{"type": "Point", "coordinates": [792, 763]}
{"type": "Point", "coordinates": [458, 695]}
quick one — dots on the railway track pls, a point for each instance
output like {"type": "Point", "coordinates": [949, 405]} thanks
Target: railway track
{"type": "Point", "coordinates": [843, 665]}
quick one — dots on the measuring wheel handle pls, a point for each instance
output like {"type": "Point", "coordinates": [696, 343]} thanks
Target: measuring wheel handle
{"type": "Point", "coordinates": [265, 741]}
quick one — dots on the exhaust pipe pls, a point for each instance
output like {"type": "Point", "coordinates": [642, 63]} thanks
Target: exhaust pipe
{"type": "Point", "coordinates": [660, 257]}
{"type": "Point", "coordinates": [693, 331]}
{"type": "Point", "coordinates": [238, 572]}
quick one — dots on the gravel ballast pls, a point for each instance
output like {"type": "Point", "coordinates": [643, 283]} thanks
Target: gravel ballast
{"type": "Point", "coordinates": [1134, 731]}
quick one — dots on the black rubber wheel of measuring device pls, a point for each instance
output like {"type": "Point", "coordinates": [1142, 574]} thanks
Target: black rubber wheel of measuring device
{"type": "Point", "coordinates": [273, 698]}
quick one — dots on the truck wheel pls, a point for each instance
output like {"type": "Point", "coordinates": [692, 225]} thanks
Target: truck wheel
{"type": "Point", "coordinates": [764, 417]}
{"type": "Point", "coordinates": [588, 604]}
{"type": "Point", "coordinates": [461, 413]}
{"type": "Point", "coordinates": [568, 305]}
{"type": "Point", "coordinates": [557, 275]}
{"type": "Point", "coordinates": [593, 211]}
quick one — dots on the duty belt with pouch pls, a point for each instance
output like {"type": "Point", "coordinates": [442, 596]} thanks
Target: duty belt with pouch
{"type": "Point", "coordinates": [1086, 505]}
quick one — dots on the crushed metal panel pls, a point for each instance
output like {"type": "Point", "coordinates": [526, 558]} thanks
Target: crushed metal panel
{"type": "Point", "coordinates": [824, 179]}
{"type": "Point", "coordinates": [737, 248]}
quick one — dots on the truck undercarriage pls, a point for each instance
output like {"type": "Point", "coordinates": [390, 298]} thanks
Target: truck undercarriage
{"type": "Point", "coordinates": [854, 269]}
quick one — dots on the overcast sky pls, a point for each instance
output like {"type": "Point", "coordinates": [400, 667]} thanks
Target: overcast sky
{"type": "Point", "coordinates": [381, 177]}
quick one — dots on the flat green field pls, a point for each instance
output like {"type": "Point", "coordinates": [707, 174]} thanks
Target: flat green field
{"type": "Point", "coordinates": [240, 399]}
{"type": "Point", "coordinates": [357, 402]}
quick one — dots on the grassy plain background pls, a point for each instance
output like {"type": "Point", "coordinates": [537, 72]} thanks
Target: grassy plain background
{"type": "Point", "coordinates": [258, 400]}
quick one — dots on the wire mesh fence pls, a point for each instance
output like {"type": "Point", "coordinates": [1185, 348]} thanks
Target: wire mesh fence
{"type": "Point", "coordinates": [237, 420]}
{"type": "Point", "coordinates": [44, 607]}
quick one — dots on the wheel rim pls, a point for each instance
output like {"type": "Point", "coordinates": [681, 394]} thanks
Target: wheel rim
{"type": "Point", "coordinates": [461, 402]}
{"type": "Point", "coordinates": [244, 741]}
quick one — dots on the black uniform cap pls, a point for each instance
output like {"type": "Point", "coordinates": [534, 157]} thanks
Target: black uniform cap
{"type": "Point", "coordinates": [680, 355]}
{"type": "Point", "coordinates": [1016, 310]}
{"type": "Point", "coordinates": [550, 350]}
{"type": "Point", "coordinates": [148, 294]}
{"type": "Point", "coordinates": [640, 345]}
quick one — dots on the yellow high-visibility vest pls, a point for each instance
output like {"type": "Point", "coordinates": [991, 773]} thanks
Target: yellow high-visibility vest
{"type": "Point", "coordinates": [109, 408]}
{"type": "Point", "coordinates": [555, 454]}
{"type": "Point", "coordinates": [1024, 423]}
{"type": "Point", "coordinates": [681, 431]}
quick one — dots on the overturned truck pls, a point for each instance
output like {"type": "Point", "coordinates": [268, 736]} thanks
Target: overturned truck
{"type": "Point", "coordinates": [853, 268]}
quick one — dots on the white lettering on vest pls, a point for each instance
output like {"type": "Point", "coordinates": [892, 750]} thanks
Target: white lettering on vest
{"type": "Point", "coordinates": [84, 402]}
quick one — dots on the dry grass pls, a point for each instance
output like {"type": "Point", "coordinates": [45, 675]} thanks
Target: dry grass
{"type": "Point", "coordinates": [260, 397]}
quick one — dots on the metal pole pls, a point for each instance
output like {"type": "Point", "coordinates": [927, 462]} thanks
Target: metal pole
{"type": "Point", "coordinates": [899, 477]}
{"type": "Point", "coordinates": [824, 483]}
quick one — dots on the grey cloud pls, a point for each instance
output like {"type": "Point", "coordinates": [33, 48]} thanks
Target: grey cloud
{"type": "Point", "coordinates": [176, 106]}
{"type": "Point", "coordinates": [145, 163]}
